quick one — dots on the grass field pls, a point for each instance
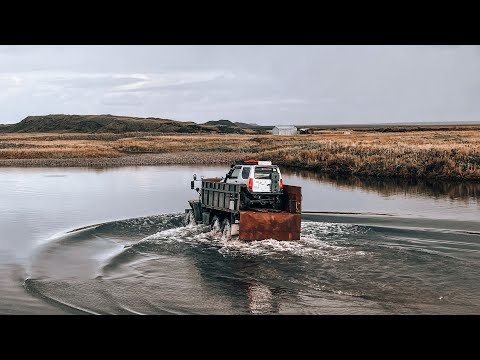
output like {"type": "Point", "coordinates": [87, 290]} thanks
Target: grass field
{"type": "Point", "coordinates": [410, 154]}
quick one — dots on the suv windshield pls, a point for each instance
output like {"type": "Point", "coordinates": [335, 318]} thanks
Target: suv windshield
{"type": "Point", "coordinates": [234, 174]}
{"type": "Point", "coordinates": [264, 172]}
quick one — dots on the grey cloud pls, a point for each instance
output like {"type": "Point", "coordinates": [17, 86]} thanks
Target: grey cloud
{"type": "Point", "coordinates": [220, 83]}
{"type": "Point", "coordinates": [94, 82]}
{"type": "Point", "coordinates": [263, 84]}
{"type": "Point", "coordinates": [121, 100]}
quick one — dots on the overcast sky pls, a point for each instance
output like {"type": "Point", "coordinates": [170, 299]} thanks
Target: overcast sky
{"type": "Point", "coordinates": [266, 85]}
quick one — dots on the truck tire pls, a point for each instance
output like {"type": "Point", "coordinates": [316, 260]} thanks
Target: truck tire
{"type": "Point", "coordinates": [226, 229]}
{"type": "Point", "coordinates": [244, 200]}
{"type": "Point", "coordinates": [215, 224]}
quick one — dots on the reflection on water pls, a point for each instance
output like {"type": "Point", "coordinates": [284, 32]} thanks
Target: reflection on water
{"type": "Point", "coordinates": [460, 191]}
{"type": "Point", "coordinates": [260, 299]}
{"type": "Point", "coordinates": [410, 198]}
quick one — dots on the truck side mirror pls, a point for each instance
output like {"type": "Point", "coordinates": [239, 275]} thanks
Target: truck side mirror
{"type": "Point", "coordinates": [194, 176]}
{"type": "Point", "coordinates": [192, 184]}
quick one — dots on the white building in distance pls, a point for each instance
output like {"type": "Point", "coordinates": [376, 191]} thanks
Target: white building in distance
{"type": "Point", "coordinates": [284, 130]}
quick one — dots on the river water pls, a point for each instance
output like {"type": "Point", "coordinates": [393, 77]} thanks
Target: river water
{"type": "Point", "coordinates": [112, 241]}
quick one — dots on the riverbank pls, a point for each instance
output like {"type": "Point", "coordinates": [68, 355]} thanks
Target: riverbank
{"type": "Point", "coordinates": [183, 158]}
{"type": "Point", "coordinates": [438, 155]}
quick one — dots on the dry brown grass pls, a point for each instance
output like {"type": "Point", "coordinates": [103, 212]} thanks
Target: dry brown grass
{"type": "Point", "coordinates": [426, 154]}
{"type": "Point", "coordinates": [48, 147]}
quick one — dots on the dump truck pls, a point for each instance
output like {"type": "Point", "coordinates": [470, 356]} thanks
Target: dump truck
{"type": "Point", "coordinates": [251, 201]}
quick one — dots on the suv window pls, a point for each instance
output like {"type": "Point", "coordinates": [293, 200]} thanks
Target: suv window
{"type": "Point", "coordinates": [235, 172]}
{"type": "Point", "coordinates": [246, 172]}
{"type": "Point", "coordinates": [263, 172]}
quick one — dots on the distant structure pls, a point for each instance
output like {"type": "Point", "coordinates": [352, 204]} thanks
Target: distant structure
{"type": "Point", "coordinates": [284, 130]}
{"type": "Point", "coordinates": [305, 131]}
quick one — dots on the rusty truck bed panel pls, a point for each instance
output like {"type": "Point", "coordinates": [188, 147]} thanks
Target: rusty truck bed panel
{"type": "Point", "coordinates": [293, 203]}
{"type": "Point", "coordinates": [269, 225]}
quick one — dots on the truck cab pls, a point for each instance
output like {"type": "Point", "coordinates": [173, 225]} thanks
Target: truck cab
{"type": "Point", "coordinates": [263, 182]}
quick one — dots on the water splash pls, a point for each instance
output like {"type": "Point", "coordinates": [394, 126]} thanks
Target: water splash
{"type": "Point", "coordinates": [216, 227]}
{"type": "Point", "coordinates": [321, 240]}
{"type": "Point", "coordinates": [189, 218]}
{"type": "Point", "coordinates": [227, 231]}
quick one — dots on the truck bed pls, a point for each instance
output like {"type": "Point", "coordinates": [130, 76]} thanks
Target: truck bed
{"type": "Point", "coordinates": [223, 201]}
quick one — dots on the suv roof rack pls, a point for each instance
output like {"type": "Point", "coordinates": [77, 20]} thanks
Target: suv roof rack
{"type": "Point", "coordinates": [254, 162]}
{"type": "Point", "coordinates": [249, 162]}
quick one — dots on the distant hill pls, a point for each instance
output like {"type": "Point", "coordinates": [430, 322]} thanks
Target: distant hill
{"type": "Point", "coordinates": [221, 122]}
{"type": "Point", "coordinates": [115, 124]}
{"type": "Point", "coordinates": [246, 126]}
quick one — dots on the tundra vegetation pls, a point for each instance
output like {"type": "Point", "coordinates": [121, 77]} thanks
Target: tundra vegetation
{"type": "Point", "coordinates": [426, 154]}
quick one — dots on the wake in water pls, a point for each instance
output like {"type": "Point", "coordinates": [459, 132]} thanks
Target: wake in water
{"type": "Point", "coordinates": [319, 240]}
{"type": "Point", "coordinates": [157, 265]}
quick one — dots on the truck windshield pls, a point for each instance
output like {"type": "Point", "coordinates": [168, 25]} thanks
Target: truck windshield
{"type": "Point", "coordinates": [264, 172]}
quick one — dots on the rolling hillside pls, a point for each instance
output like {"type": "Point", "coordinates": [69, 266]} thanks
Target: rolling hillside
{"type": "Point", "coordinates": [115, 124]}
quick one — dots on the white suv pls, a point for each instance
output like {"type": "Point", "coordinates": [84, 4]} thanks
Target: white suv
{"type": "Point", "coordinates": [264, 184]}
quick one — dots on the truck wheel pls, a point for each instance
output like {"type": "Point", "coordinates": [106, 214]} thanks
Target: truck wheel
{"type": "Point", "coordinates": [244, 201]}
{"type": "Point", "coordinates": [216, 225]}
{"type": "Point", "coordinates": [226, 229]}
